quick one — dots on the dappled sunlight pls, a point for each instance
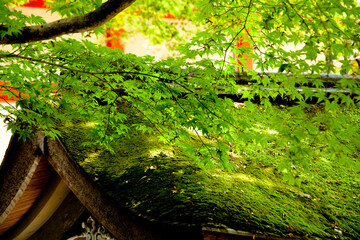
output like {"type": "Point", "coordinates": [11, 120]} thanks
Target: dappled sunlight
{"type": "Point", "coordinates": [92, 156]}
{"type": "Point", "coordinates": [160, 152]}
{"type": "Point", "coordinates": [324, 160]}
{"type": "Point", "coordinates": [248, 178]}
{"type": "Point", "coordinates": [263, 130]}
{"type": "Point", "coordinates": [89, 124]}
{"type": "Point", "coordinates": [267, 180]}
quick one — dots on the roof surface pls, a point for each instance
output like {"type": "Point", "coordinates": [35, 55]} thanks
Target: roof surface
{"type": "Point", "coordinates": [159, 183]}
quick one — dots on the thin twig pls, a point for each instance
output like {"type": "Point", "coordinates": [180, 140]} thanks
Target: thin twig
{"type": "Point", "coordinates": [187, 116]}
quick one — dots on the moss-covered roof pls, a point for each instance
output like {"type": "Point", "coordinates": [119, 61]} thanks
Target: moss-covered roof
{"type": "Point", "coordinates": [158, 182]}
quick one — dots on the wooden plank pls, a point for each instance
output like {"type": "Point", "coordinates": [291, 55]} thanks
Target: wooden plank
{"type": "Point", "coordinates": [34, 188]}
{"type": "Point", "coordinates": [49, 201]}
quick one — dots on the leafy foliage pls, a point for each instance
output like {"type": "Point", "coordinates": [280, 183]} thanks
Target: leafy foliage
{"type": "Point", "coordinates": [68, 79]}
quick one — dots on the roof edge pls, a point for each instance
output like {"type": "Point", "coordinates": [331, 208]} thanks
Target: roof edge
{"type": "Point", "coordinates": [121, 222]}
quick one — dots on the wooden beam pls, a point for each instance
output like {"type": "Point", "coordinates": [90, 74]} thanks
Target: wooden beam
{"type": "Point", "coordinates": [54, 194]}
{"type": "Point", "coordinates": [22, 177]}
{"type": "Point", "coordinates": [28, 193]}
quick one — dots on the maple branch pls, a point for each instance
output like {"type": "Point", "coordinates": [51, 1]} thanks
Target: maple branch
{"type": "Point", "coordinates": [78, 24]}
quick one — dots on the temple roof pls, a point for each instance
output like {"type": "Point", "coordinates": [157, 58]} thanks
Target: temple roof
{"type": "Point", "coordinates": [146, 186]}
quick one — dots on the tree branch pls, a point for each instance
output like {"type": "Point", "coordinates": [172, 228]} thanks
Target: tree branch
{"type": "Point", "coordinates": [78, 24]}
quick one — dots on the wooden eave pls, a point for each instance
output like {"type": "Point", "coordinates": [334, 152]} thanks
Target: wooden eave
{"type": "Point", "coordinates": [23, 176]}
{"type": "Point", "coordinates": [31, 189]}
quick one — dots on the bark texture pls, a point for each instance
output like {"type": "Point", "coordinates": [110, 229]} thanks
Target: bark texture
{"type": "Point", "coordinates": [78, 24]}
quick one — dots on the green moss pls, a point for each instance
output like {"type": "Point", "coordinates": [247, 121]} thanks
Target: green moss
{"type": "Point", "coordinates": [149, 178]}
